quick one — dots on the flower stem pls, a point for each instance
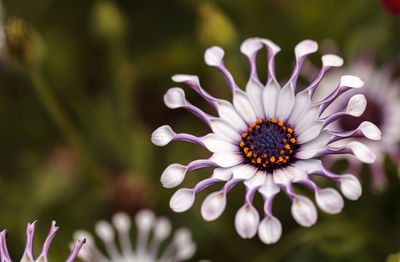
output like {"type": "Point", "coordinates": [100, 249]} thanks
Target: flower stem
{"type": "Point", "coordinates": [63, 123]}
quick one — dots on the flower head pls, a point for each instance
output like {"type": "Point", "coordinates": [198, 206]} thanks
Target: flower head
{"type": "Point", "coordinates": [147, 250]}
{"type": "Point", "coordinates": [382, 93]}
{"type": "Point", "coordinates": [28, 253]}
{"type": "Point", "coordinates": [269, 138]}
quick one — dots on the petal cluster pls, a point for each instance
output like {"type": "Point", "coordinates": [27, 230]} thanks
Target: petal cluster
{"type": "Point", "coordinates": [382, 92]}
{"type": "Point", "coordinates": [151, 232]}
{"type": "Point", "coordinates": [290, 106]}
{"type": "Point", "coordinates": [28, 255]}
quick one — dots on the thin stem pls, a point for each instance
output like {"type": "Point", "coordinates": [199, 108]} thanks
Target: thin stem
{"type": "Point", "coordinates": [62, 121]}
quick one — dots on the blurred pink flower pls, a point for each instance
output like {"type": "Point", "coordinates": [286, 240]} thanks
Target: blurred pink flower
{"type": "Point", "coordinates": [393, 6]}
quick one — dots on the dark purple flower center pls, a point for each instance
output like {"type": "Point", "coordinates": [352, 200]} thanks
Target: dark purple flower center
{"type": "Point", "coordinates": [373, 113]}
{"type": "Point", "coordinates": [268, 144]}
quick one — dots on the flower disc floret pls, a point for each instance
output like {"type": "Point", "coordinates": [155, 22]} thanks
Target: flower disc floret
{"type": "Point", "coordinates": [268, 144]}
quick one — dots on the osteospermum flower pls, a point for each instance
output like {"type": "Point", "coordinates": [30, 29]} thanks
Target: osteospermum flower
{"type": "Point", "coordinates": [28, 253]}
{"type": "Point", "coordinates": [382, 93]}
{"type": "Point", "coordinates": [269, 138]}
{"type": "Point", "coordinates": [181, 247]}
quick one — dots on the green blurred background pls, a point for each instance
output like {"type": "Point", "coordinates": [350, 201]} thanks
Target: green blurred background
{"type": "Point", "coordinates": [79, 103]}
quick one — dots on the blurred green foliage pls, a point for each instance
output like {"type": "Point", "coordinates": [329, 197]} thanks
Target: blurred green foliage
{"type": "Point", "coordinates": [75, 133]}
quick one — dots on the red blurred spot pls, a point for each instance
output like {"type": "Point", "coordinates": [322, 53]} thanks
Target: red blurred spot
{"type": "Point", "coordinates": [393, 6]}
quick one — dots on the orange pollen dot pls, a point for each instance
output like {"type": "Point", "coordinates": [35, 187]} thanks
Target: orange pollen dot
{"type": "Point", "coordinates": [287, 147]}
{"type": "Point", "coordinates": [273, 120]}
{"type": "Point", "coordinates": [259, 121]}
{"type": "Point", "coordinates": [242, 144]}
{"type": "Point", "coordinates": [255, 155]}
{"type": "Point", "coordinates": [253, 161]}
{"type": "Point", "coordinates": [292, 140]}
{"type": "Point", "coordinates": [272, 159]}
{"type": "Point", "coordinates": [246, 150]}
{"type": "Point", "coordinates": [257, 127]}
{"type": "Point", "coordinates": [244, 135]}
{"type": "Point", "coordinates": [284, 140]}
{"type": "Point", "coordinates": [280, 123]}
{"type": "Point", "coordinates": [265, 155]}
{"type": "Point", "coordinates": [249, 154]}
{"type": "Point", "coordinates": [252, 147]}
{"type": "Point", "coordinates": [264, 165]}
{"type": "Point", "coordinates": [280, 159]}
{"type": "Point", "coordinates": [290, 130]}
{"type": "Point", "coordinates": [289, 135]}
{"type": "Point", "coordinates": [252, 125]}
{"type": "Point", "coordinates": [258, 160]}
{"type": "Point", "coordinates": [250, 129]}
{"type": "Point", "coordinates": [281, 152]}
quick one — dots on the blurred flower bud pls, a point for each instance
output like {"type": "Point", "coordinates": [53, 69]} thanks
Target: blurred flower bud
{"type": "Point", "coordinates": [127, 192]}
{"type": "Point", "coordinates": [214, 26]}
{"type": "Point", "coordinates": [394, 258]}
{"type": "Point", "coordinates": [64, 161]}
{"type": "Point", "coordinates": [392, 6]}
{"type": "Point", "coordinates": [107, 21]}
{"type": "Point", "coordinates": [23, 45]}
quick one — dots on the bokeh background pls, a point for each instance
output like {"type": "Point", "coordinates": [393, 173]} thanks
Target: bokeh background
{"type": "Point", "coordinates": [83, 92]}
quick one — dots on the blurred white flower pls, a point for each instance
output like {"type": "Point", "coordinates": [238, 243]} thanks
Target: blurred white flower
{"type": "Point", "coordinates": [151, 232]}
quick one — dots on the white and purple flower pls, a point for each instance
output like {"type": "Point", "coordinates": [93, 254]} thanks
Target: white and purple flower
{"type": "Point", "coordinates": [28, 253]}
{"type": "Point", "coordinates": [382, 93]}
{"type": "Point", "coordinates": [147, 249]}
{"type": "Point", "coordinates": [269, 138]}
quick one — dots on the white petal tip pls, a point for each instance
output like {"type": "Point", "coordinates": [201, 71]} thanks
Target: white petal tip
{"type": "Point", "coordinates": [181, 78]}
{"type": "Point", "coordinates": [104, 230]}
{"type": "Point", "coordinates": [305, 47]}
{"type": "Point", "coordinates": [370, 130]}
{"type": "Point", "coordinates": [162, 228]}
{"type": "Point", "coordinates": [246, 221]}
{"type": "Point", "coordinates": [356, 105]}
{"type": "Point", "coordinates": [162, 135]}
{"type": "Point", "coordinates": [274, 48]}
{"type": "Point", "coordinates": [173, 175]}
{"type": "Point", "coordinates": [214, 55]}
{"type": "Point", "coordinates": [304, 211]}
{"type": "Point", "coordinates": [329, 200]}
{"type": "Point", "coordinates": [182, 200]}
{"type": "Point", "coordinates": [175, 98]}
{"type": "Point", "coordinates": [122, 221]}
{"type": "Point", "coordinates": [145, 219]}
{"type": "Point", "coordinates": [251, 46]}
{"type": "Point", "coordinates": [270, 230]}
{"type": "Point", "coordinates": [350, 187]}
{"type": "Point", "coordinates": [213, 206]}
{"type": "Point", "coordinates": [362, 152]}
{"type": "Point", "coordinates": [332, 60]}
{"type": "Point", "coordinates": [351, 81]}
